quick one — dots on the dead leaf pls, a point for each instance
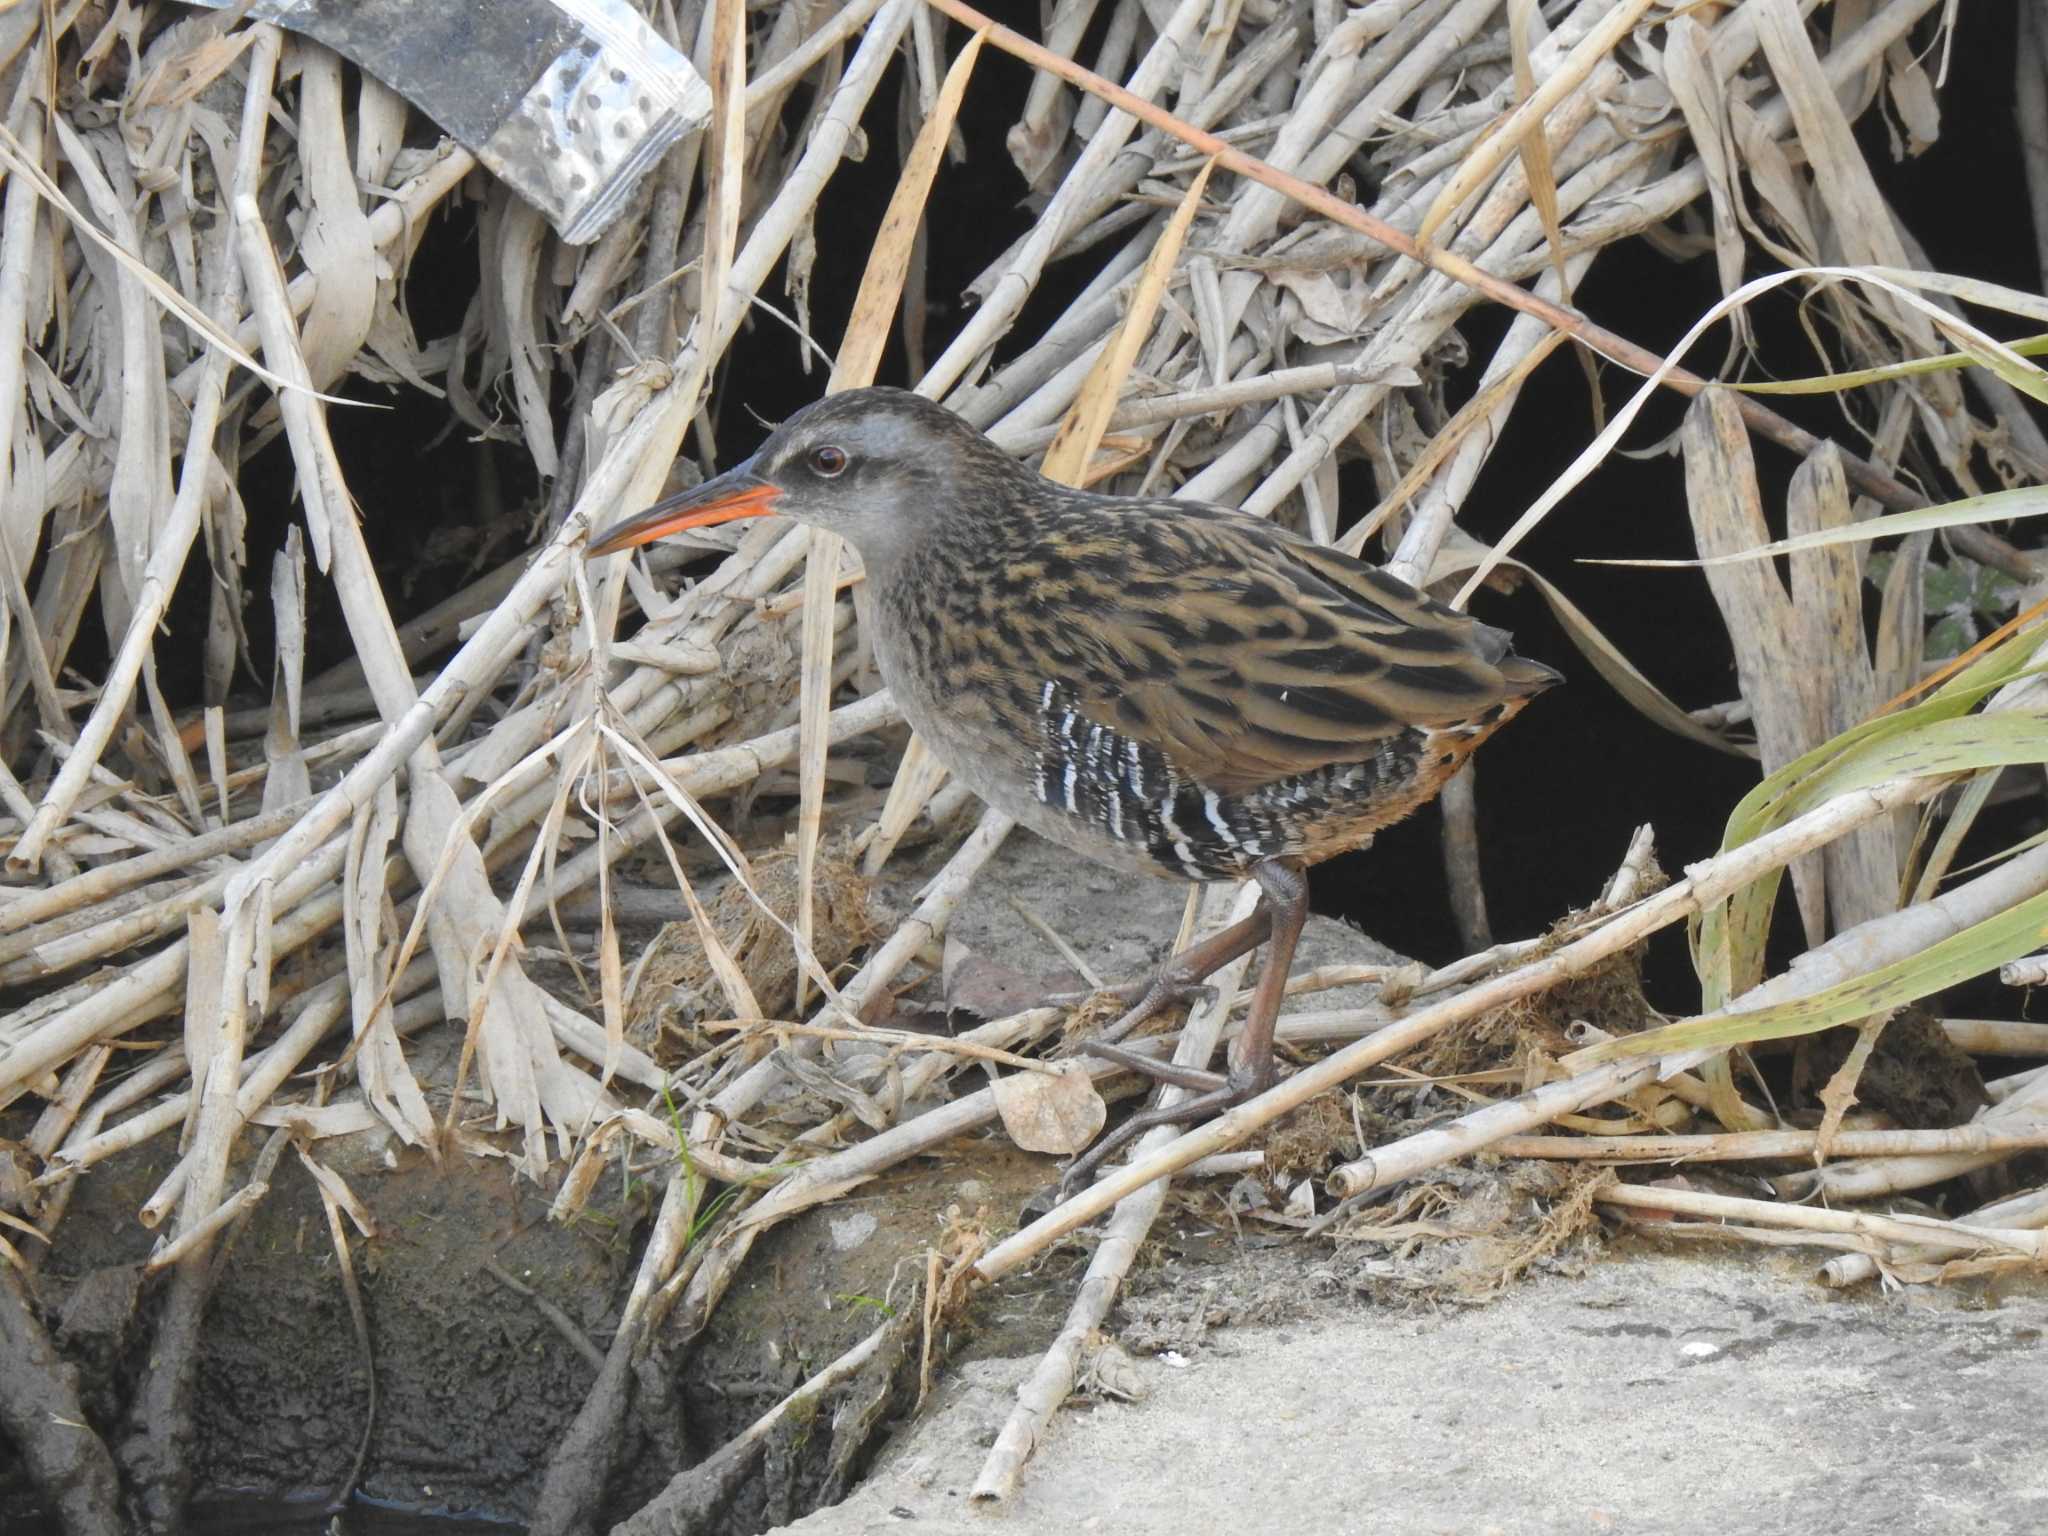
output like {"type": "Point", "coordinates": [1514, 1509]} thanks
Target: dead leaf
{"type": "Point", "coordinates": [1331, 311]}
{"type": "Point", "coordinates": [988, 989]}
{"type": "Point", "coordinates": [1058, 1112]}
{"type": "Point", "coordinates": [1110, 1372]}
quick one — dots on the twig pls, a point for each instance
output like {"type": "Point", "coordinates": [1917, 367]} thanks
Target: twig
{"type": "Point", "coordinates": [565, 1325]}
{"type": "Point", "coordinates": [1745, 1146]}
{"type": "Point", "coordinates": [1042, 1393]}
{"type": "Point", "coordinates": [175, 1251]}
{"type": "Point", "coordinates": [1945, 1236]}
{"type": "Point", "coordinates": [1461, 859]}
{"type": "Point", "coordinates": [901, 1039]}
{"type": "Point", "coordinates": [1705, 883]}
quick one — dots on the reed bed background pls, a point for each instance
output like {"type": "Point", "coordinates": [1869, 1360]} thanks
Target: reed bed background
{"type": "Point", "coordinates": [1283, 212]}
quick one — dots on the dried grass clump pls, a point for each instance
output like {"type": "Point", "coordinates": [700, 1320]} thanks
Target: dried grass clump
{"type": "Point", "coordinates": [675, 988]}
{"type": "Point", "coordinates": [1467, 1234]}
{"type": "Point", "coordinates": [1310, 1139]}
{"type": "Point", "coordinates": [1607, 997]}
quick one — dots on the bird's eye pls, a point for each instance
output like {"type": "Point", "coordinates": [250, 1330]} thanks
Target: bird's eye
{"type": "Point", "coordinates": [829, 461]}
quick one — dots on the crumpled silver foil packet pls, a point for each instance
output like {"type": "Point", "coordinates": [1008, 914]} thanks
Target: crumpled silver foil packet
{"type": "Point", "coordinates": [570, 102]}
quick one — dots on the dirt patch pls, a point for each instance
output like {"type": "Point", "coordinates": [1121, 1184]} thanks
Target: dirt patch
{"type": "Point", "coordinates": [675, 986]}
{"type": "Point", "coordinates": [1916, 1074]}
{"type": "Point", "coordinates": [475, 1383]}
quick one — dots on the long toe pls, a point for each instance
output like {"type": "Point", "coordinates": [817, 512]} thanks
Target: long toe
{"type": "Point", "coordinates": [1151, 998]}
{"type": "Point", "coordinates": [1165, 1071]}
{"type": "Point", "coordinates": [1201, 1106]}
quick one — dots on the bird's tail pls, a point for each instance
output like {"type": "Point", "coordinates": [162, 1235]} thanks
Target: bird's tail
{"type": "Point", "coordinates": [1524, 678]}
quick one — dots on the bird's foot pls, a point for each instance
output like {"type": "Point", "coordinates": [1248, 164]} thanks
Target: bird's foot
{"type": "Point", "coordinates": [1196, 1079]}
{"type": "Point", "coordinates": [1142, 1000]}
{"type": "Point", "coordinates": [1213, 1093]}
{"type": "Point", "coordinates": [1181, 979]}
{"type": "Point", "coordinates": [1278, 917]}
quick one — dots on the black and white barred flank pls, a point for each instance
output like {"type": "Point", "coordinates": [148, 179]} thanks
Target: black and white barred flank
{"type": "Point", "coordinates": [1135, 795]}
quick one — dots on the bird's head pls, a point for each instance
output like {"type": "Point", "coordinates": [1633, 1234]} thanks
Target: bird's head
{"type": "Point", "coordinates": [875, 466]}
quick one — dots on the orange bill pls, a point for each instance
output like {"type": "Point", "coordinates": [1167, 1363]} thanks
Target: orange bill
{"type": "Point", "coordinates": [734, 494]}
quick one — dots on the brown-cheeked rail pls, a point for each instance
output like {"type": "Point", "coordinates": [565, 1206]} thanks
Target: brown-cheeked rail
{"type": "Point", "coordinates": [1160, 685]}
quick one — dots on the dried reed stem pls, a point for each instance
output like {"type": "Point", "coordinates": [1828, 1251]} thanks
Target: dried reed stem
{"type": "Point", "coordinates": [1039, 1397]}
{"type": "Point", "coordinates": [1705, 883]}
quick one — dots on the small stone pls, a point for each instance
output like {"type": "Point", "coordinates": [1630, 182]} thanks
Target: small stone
{"type": "Point", "coordinates": [852, 1230]}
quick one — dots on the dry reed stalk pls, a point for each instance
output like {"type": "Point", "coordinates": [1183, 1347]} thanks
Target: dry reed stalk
{"type": "Point", "coordinates": [1482, 1128]}
{"type": "Point", "coordinates": [1997, 1037]}
{"type": "Point", "coordinates": [1999, 1089]}
{"type": "Point", "coordinates": [1868, 478]}
{"type": "Point", "coordinates": [1049, 1385]}
{"type": "Point", "coordinates": [2029, 972]}
{"type": "Point", "coordinates": [302, 827]}
{"type": "Point", "coordinates": [169, 545]}
{"type": "Point", "coordinates": [175, 1251]}
{"type": "Point", "coordinates": [1945, 1236]}
{"type": "Point", "coordinates": [1859, 1180]}
{"type": "Point", "coordinates": [519, 1051]}
{"type": "Point", "coordinates": [1745, 1146]}
{"type": "Point", "coordinates": [903, 1039]}
{"type": "Point", "coordinates": [2028, 1211]}
{"type": "Point", "coordinates": [1705, 883]}
{"type": "Point", "coordinates": [705, 773]}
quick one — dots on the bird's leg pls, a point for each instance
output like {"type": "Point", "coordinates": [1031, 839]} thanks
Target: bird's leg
{"type": "Point", "coordinates": [1282, 911]}
{"type": "Point", "coordinates": [1176, 979]}
{"type": "Point", "coordinates": [1184, 973]}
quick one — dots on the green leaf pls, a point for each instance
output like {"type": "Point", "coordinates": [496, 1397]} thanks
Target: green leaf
{"type": "Point", "coordinates": [1833, 383]}
{"type": "Point", "coordinates": [1992, 507]}
{"type": "Point", "coordinates": [1940, 734]}
{"type": "Point", "coordinates": [2018, 930]}
{"type": "Point", "coordinates": [1946, 586]}
{"type": "Point", "coordinates": [1947, 639]}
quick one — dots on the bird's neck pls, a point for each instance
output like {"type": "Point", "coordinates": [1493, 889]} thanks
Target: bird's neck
{"type": "Point", "coordinates": [978, 522]}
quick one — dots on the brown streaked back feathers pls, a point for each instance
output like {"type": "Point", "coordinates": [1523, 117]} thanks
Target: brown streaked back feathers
{"type": "Point", "coordinates": [1243, 653]}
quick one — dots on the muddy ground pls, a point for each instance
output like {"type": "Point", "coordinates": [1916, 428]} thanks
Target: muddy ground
{"type": "Point", "coordinates": [487, 1320]}
{"type": "Point", "coordinates": [475, 1381]}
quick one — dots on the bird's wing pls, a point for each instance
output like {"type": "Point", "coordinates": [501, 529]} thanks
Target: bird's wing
{"type": "Point", "coordinates": [1246, 655]}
